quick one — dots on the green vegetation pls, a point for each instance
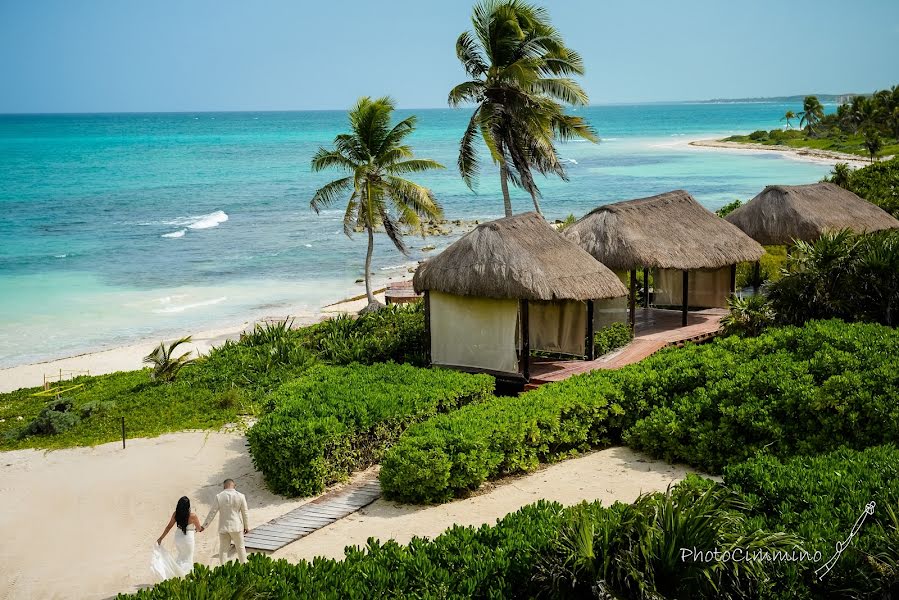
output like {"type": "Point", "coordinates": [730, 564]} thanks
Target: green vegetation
{"type": "Point", "coordinates": [818, 499]}
{"type": "Point", "coordinates": [394, 333]}
{"type": "Point", "coordinates": [842, 275]}
{"type": "Point", "coordinates": [229, 383]}
{"type": "Point", "coordinates": [748, 316]}
{"type": "Point", "coordinates": [628, 551]}
{"type": "Point", "coordinates": [866, 126]}
{"type": "Point", "coordinates": [454, 453]}
{"type": "Point", "coordinates": [611, 338]}
{"type": "Point", "coordinates": [375, 158]}
{"type": "Point", "coordinates": [519, 76]}
{"type": "Point", "coordinates": [877, 183]}
{"type": "Point", "coordinates": [335, 420]}
{"type": "Point", "coordinates": [770, 268]}
{"type": "Point", "coordinates": [790, 390]}
{"type": "Point", "coordinates": [164, 364]}
{"type": "Point", "coordinates": [729, 208]}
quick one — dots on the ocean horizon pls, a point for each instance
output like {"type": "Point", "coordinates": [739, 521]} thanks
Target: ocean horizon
{"type": "Point", "coordinates": [118, 227]}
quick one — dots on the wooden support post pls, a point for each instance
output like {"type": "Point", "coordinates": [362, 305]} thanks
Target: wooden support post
{"type": "Point", "coordinates": [733, 279]}
{"type": "Point", "coordinates": [632, 300]}
{"type": "Point", "coordinates": [427, 302]}
{"type": "Point", "coordinates": [645, 287]}
{"type": "Point", "coordinates": [588, 342]}
{"type": "Point", "coordinates": [756, 275]}
{"type": "Point", "coordinates": [123, 433]}
{"type": "Point", "coordinates": [686, 289]}
{"type": "Point", "coordinates": [524, 359]}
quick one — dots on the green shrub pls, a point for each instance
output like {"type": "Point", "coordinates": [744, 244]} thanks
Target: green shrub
{"type": "Point", "coordinates": [789, 391]}
{"type": "Point", "coordinates": [818, 499]}
{"type": "Point", "coordinates": [393, 333]}
{"type": "Point", "coordinates": [877, 183]}
{"type": "Point", "coordinates": [336, 420]}
{"type": "Point", "coordinates": [729, 208]}
{"type": "Point", "coordinates": [748, 315]}
{"type": "Point", "coordinates": [56, 417]}
{"type": "Point", "coordinates": [759, 135]}
{"type": "Point", "coordinates": [454, 453]}
{"type": "Point", "coordinates": [612, 337]}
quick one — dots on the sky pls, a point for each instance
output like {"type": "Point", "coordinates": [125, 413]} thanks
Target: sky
{"type": "Point", "coordinates": [195, 55]}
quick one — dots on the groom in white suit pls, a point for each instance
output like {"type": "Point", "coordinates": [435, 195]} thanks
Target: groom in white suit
{"type": "Point", "coordinates": [233, 522]}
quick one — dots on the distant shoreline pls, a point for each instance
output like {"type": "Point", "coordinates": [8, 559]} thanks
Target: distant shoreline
{"type": "Point", "coordinates": [807, 154]}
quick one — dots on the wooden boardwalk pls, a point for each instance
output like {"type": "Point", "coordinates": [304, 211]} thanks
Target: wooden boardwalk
{"type": "Point", "coordinates": [310, 517]}
{"type": "Point", "coordinates": [655, 329]}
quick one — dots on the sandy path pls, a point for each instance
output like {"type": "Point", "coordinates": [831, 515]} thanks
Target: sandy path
{"type": "Point", "coordinates": [80, 523]}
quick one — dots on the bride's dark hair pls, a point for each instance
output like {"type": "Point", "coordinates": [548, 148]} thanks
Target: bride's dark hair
{"type": "Point", "coordinates": [182, 513]}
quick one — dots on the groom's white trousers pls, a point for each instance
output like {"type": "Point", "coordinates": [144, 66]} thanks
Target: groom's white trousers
{"type": "Point", "coordinates": [226, 538]}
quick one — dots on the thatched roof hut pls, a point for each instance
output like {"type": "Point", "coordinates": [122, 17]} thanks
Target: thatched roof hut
{"type": "Point", "coordinates": [781, 214]}
{"type": "Point", "coordinates": [668, 231]}
{"type": "Point", "coordinates": [508, 287]}
{"type": "Point", "coordinates": [519, 257]}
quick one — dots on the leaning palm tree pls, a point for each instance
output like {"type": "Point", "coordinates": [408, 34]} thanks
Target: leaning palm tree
{"type": "Point", "coordinates": [812, 113]}
{"type": "Point", "coordinates": [375, 157]}
{"type": "Point", "coordinates": [164, 362]}
{"type": "Point", "coordinates": [788, 116]}
{"type": "Point", "coordinates": [519, 73]}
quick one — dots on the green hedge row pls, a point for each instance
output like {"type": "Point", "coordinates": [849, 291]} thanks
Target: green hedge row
{"type": "Point", "coordinates": [792, 390]}
{"type": "Point", "coordinates": [445, 456]}
{"type": "Point", "coordinates": [336, 420]}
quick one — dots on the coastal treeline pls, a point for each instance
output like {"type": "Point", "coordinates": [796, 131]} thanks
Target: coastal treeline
{"type": "Point", "coordinates": [864, 125]}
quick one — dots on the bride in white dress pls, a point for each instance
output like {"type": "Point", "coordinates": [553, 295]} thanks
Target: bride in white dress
{"type": "Point", "coordinates": [164, 564]}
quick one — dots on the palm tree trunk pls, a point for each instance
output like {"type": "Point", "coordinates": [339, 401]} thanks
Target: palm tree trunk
{"type": "Point", "coordinates": [503, 181]}
{"type": "Point", "coordinates": [536, 203]}
{"type": "Point", "coordinates": [371, 248]}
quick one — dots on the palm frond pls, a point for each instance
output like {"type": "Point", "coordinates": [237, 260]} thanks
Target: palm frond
{"type": "Point", "coordinates": [328, 193]}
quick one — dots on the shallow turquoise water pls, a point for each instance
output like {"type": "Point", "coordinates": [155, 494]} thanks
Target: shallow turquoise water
{"type": "Point", "coordinates": [118, 227]}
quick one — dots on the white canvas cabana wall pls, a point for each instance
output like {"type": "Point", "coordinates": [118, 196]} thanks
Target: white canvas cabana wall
{"type": "Point", "coordinates": [706, 288]}
{"type": "Point", "coordinates": [486, 334]}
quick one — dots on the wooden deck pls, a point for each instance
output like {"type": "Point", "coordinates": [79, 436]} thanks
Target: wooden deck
{"type": "Point", "coordinates": [655, 329]}
{"type": "Point", "coordinates": [310, 517]}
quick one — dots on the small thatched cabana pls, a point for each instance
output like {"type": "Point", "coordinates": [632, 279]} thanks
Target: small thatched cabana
{"type": "Point", "coordinates": [508, 287]}
{"type": "Point", "coordinates": [781, 214]}
{"type": "Point", "coordinates": [693, 252]}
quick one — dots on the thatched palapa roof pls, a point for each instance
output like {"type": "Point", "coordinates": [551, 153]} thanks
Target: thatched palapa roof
{"type": "Point", "coordinates": [517, 257]}
{"type": "Point", "coordinates": [668, 231]}
{"type": "Point", "coordinates": [783, 213]}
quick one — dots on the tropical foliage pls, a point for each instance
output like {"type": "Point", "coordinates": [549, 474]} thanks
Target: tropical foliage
{"type": "Point", "coordinates": [611, 337]}
{"type": "Point", "coordinates": [852, 277]}
{"type": "Point", "coordinates": [165, 365]}
{"type": "Point", "coordinates": [877, 183]}
{"type": "Point", "coordinates": [520, 76]}
{"type": "Point", "coordinates": [335, 420]}
{"type": "Point", "coordinates": [749, 315]}
{"type": "Point", "coordinates": [866, 125]}
{"type": "Point", "coordinates": [375, 158]}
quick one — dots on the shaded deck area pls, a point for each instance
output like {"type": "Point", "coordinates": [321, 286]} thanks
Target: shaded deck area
{"type": "Point", "coordinates": [655, 329]}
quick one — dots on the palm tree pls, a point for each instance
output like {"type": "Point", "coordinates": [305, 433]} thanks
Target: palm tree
{"type": "Point", "coordinates": [812, 113]}
{"type": "Point", "coordinates": [519, 77]}
{"type": "Point", "coordinates": [872, 141]}
{"type": "Point", "coordinates": [374, 156]}
{"type": "Point", "coordinates": [164, 362]}
{"type": "Point", "coordinates": [787, 117]}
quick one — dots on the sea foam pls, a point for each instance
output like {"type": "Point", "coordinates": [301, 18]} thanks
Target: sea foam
{"type": "Point", "coordinates": [213, 219]}
{"type": "Point", "coordinates": [175, 234]}
{"type": "Point", "coordinates": [184, 307]}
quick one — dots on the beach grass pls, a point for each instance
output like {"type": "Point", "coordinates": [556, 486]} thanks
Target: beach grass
{"type": "Point", "coordinates": [832, 142]}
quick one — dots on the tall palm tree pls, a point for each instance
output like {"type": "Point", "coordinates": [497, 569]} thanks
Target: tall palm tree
{"type": "Point", "coordinates": [812, 113]}
{"type": "Point", "coordinates": [519, 78]}
{"type": "Point", "coordinates": [788, 116]}
{"type": "Point", "coordinates": [375, 157]}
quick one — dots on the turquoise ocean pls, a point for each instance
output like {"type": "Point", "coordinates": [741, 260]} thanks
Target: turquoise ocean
{"type": "Point", "coordinates": [120, 227]}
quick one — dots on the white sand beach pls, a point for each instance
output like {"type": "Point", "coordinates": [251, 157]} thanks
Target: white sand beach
{"type": "Point", "coordinates": [123, 498]}
{"type": "Point", "coordinates": [805, 154]}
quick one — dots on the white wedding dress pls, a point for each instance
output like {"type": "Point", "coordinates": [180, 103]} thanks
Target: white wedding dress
{"type": "Point", "coordinates": [165, 565]}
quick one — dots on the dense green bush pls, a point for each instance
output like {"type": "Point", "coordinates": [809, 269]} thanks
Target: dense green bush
{"type": "Point", "coordinates": [611, 337]}
{"type": "Point", "coordinates": [335, 420]}
{"type": "Point", "coordinates": [877, 183]}
{"type": "Point", "coordinates": [789, 391]}
{"type": "Point", "coordinates": [749, 315]}
{"type": "Point", "coordinates": [729, 208]}
{"type": "Point", "coordinates": [840, 275]}
{"type": "Point", "coordinates": [393, 333]}
{"type": "Point", "coordinates": [758, 135]}
{"type": "Point", "coordinates": [456, 452]}
{"type": "Point", "coordinates": [818, 499]}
